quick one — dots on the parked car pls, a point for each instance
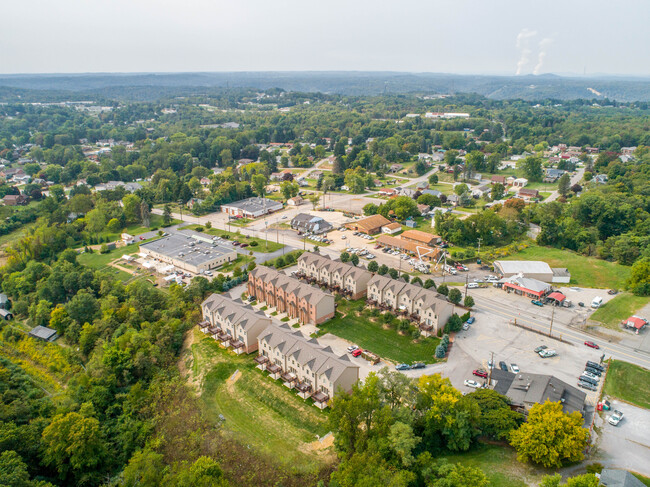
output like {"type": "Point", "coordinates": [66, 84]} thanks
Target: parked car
{"type": "Point", "coordinates": [594, 365]}
{"type": "Point", "coordinates": [615, 417]}
{"type": "Point", "coordinates": [503, 366]}
{"type": "Point", "coordinates": [402, 367]}
{"type": "Point", "coordinates": [472, 383]}
{"type": "Point", "coordinates": [536, 302]}
{"type": "Point", "coordinates": [418, 365]}
{"type": "Point", "coordinates": [591, 370]}
{"type": "Point", "coordinates": [141, 237]}
{"type": "Point", "coordinates": [612, 291]}
{"type": "Point", "coordinates": [472, 285]}
{"type": "Point", "coordinates": [587, 385]}
{"type": "Point", "coordinates": [584, 378]}
{"type": "Point", "coordinates": [514, 368]}
{"type": "Point", "coordinates": [540, 348]}
{"type": "Point", "coordinates": [592, 345]}
{"type": "Point", "coordinates": [465, 326]}
{"type": "Point", "coordinates": [547, 353]}
{"type": "Point", "coordinates": [471, 320]}
{"type": "Point", "coordinates": [480, 373]}
{"type": "Point", "coordinates": [244, 245]}
{"type": "Point", "coordinates": [591, 376]}
{"type": "Point", "coordinates": [352, 348]}
{"type": "Point", "coordinates": [357, 352]}
{"type": "Point", "coordinates": [490, 364]}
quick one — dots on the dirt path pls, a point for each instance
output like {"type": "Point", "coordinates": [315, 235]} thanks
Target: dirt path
{"type": "Point", "coordinates": [124, 269]}
{"type": "Point", "coordinates": [186, 360]}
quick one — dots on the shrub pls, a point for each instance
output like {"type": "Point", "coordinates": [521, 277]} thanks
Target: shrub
{"type": "Point", "coordinates": [279, 262]}
{"type": "Point", "coordinates": [254, 243]}
{"type": "Point", "coordinates": [440, 352]}
{"type": "Point", "coordinates": [443, 289]}
{"type": "Point", "coordinates": [415, 334]}
{"type": "Point", "coordinates": [465, 317]}
{"type": "Point", "coordinates": [208, 225]}
{"type": "Point", "coordinates": [469, 301]}
{"type": "Point", "coordinates": [404, 325]}
{"type": "Point", "coordinates": [199, 229]}
{"type": "Point", "coordinates": [104, 249]}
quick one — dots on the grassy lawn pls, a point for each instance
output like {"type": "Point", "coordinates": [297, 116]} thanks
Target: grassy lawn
{"type": "Point", "coordinates": [499, 464]}
{"type": "Point", "coordinates": [622, 306]}
{"type": "Point", "coordinates": [386, 343]}
{"type": "Point", "coordinates": [259, 412]}
{"type": "Point", "coordinates": [629, 383]}
{"type": "Point", "coordinates": [261, 246]}
{"type": "Point", "coordinates": [585, 271]}
{"type": "Point", "coordinates": [97, 260]}
{"type": "Point", "coordinates": [242, 261]}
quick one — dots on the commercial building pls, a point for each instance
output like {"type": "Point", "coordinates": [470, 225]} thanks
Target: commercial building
{"type": "Point", "coordinates": [289, 295]}
{"type": "Point", "coordinates": [532, 268]}
{"type": "Point", "coordinates": [232, 323]}
{"type": "Point", "coordinates": [304, 222]}
{"type": "Point", "coordinates": [189, 252]}
{"type": "Point", "coordinates": [251, 207]}
{"type": "Point", "coordinates": [525, 286]}
{"type": "Point", "coordinates": [371, 225]}
{"type": "Point", "coordinates": [421, 251]}
{"type": "Point", "coordinates": [525, 390]}
{"type": "Point", "coordinates": [420, 237]}
{"type": "Point", "coordinates": [336, 275]}
{"type": "Point", "coordinates": [392, 228]}
{"type": "Point", "coordinates": [315, 371]}
{"type": "Point", "coordinates": [430, 309]}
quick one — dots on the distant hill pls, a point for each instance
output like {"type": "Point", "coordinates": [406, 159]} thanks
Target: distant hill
{"type": "Point", "coordinates": [529, 88]}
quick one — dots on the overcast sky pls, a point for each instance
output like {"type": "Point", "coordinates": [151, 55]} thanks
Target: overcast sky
{"type": "Point", "coordinates": [451, 36]}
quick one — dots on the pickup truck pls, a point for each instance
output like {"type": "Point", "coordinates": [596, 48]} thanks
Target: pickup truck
{"type": "Point", "coordinates": [615, 417]}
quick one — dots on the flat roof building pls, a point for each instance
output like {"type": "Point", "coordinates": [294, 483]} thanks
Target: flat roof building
{"type": "Point", "coordinates": [534, 269]}
{"type": "Point", "coordinates": [251, 207]}
{"type": "Point", "coordinates": [189, 252]}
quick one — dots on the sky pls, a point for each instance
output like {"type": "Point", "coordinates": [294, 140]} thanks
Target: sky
{"type": "Point", "coordinates": [505, 37]}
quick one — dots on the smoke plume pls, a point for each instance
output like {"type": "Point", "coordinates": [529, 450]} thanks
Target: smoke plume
{"type": "Point", "coordinates": [523, 46]}
{"type": "Point", "coordinates": [543, 47]}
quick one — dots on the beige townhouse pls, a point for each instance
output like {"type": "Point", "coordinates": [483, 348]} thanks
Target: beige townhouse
{"type": "Point", "coordinates": [232, 323]}
{"type": "Point", "coordinates": [429, 308]}
{"type": "Point", "coordinates": [299, 300]}
{"type": "Point", "coordinates": [336, 275]}
{"type": "Point", "coordinates": [304, 364]}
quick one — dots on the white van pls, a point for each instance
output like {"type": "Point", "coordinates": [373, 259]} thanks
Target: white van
{"type": "Point", "coordinates": [472, 285]}
{"type": "Point", "coordinates": [597, 302]}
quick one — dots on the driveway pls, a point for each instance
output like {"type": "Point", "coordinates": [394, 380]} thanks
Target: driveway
{"type": "Point", "coordinates": [627, 445]}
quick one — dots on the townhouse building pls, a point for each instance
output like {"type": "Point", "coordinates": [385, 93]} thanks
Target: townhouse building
{"type": "Point", "coordinates": [336, 275]}
{"type": "Point", "coordinates": [233, 324]}
{"type": "Point", "coordinates": [430, 309]}
{"type": "Point", "coordinates": [289, 295]}
{"type": "Point", "coordinates": [304, 364]}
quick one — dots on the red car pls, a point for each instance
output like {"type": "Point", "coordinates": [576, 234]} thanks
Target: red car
{"type": "Point", "coordinates": [592, 345]}
{"type": "Point", "coordinates": [480, 373]}
{"type": "Point", "coordinates": [357, 352]}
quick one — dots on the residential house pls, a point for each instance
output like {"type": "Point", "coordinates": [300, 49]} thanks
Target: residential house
{"type": "Point", "coordinates": [392, 228]}
{"type": "Point", "coordinates": [553, 175]}
{"type": "Point", "coordinates": [430, 309]}
{"type": "Point", "coordinates": [233, 323]}
{"type": "Point", "coordinates": [510, 181]}
{"type": "Point", "coordinates": [520, 182]}
{"type": "Point", "coordinates": [496, 178]}
{"type": "Point", "coordinates": [423, 209]}
{"type": "Point", "coordinates": [194, 202]}
{"type": "Point", "coordinates": [453, 200]}
{"type": "Point", "coordinates": [371, 225]}
{"type": "Point", "coordinates": [295, 201]}
{"type": "Point", "coordinates": [289, 295]}
{"type": "Point", "coordinates": [433, 192]}
{"type": "Point", "coordinates": [482, 190]}
{"type": "Point", "coordinates": [315, 371]}
{"type": "Point", "coordinates": [15, 200]}
{"type": "Point", "coordinates": [304, 222]}
{"type": "Point", "coordinates": [628, 151]}
{"type": "Point", "coordinates": [601, 178]}
{"type": "Point", "coordinates": [528, 194]}
{"type": "Point", "coordinates": [394, 168]}
{"type": "Point", "coordinates": [406, 192]}
{"type": "Point", "coordinates": [336, 275]}
{"type": "Point", "coordinates": [421, 186]}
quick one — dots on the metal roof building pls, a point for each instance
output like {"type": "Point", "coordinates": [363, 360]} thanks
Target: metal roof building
{"type": "Point", "coordinates": [534, 269]}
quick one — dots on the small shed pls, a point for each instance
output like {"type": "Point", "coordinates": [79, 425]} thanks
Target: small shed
{"type": "Point", "coordinates": [44, 333]}
{"type": "Point", "coordinates": [6, 315]}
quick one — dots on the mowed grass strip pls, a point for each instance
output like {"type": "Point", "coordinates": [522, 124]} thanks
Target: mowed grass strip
{"type": "Point", "coordinates": [621, 307]}
{"type": "Point", "coordinates": [262, 246]}
{"type": "Point", "coordinates": [371, 335]}
{"type": "Point", "coordinates": [258, 411]}
{"type": "Point", "coordinates": [585, 271]}
{"type": "Point", "coordinates": [500, 465]}
{"type": "Point", "coordinates": [628, 382]}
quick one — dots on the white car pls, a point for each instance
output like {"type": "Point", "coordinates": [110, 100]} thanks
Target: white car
{"type": "Point", "coordinates": [615, 417]}
{"type": "Point", "coordinates": [352, 348]}
{"type": "Point", "coordinates": [591, 376]}
{"type": "Point", "coordinates": [472, 285]}
{"type": "Point", "coordinates": [472, 383]}
{"type": "Point", "coordinates": [465, 326]}
{"type": "Point", "coordinates": [514, 368]}
{"type": "Point", "coordinates": [343, 237]}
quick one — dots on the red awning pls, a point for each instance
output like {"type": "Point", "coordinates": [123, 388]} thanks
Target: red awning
{"type": "Point", "coordinates": [523, 289]}
{"type": "Point", "coordinates": [558, 296]}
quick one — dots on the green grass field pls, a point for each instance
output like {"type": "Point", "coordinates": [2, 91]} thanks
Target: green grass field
{"type": "Point", "coordinates": [585, 271]}
{"type": "Point", "coordinates": [622, 306]}
{"type": "Point", "coordinates": [261, 246]}
{"type": "Point", "coordinates": [499, 464]}
{"type": "Point", "coordinates": [258, 411]}
{"type": "Point", "coordinates": [97, 260]}
{"type": "Point", "coordinates": [629, 383]}
{"type": "Point", "coordinates": [386, 343]}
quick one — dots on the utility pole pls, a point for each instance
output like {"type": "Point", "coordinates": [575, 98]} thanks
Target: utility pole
{"type": "Point", "coordinates": [466, 283]}
{"type": "Point", "coordinates": [550, 331]}
{"type": "Point", "coordinates": [490, 372]}
{"type": "Point", "coordinates": [479, 248]}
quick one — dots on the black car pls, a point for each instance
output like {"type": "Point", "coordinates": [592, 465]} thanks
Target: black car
{"type": "Point", "coordinates": [594, 365]}
{"type": "Point", "coordinates": [591, 370]}
{"type": "Point", "coordinates": [587, 385]}
{"type": "Point", "coordinates": [540, 348]}
{"type": "Point", "coordinates": [418, 365]}
{"type": "Point", "coordinates": [503, 366]}
{"type": "Point", "coordinates": [591, 381]}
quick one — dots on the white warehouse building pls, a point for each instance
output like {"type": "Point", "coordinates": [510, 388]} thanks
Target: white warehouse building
{"type": "Point", "coordinates": [533, 269]}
